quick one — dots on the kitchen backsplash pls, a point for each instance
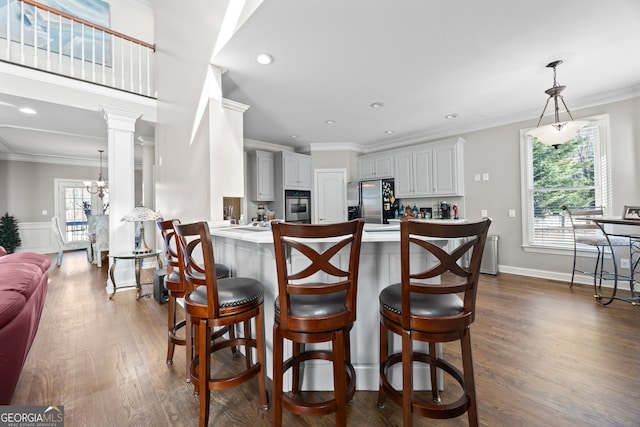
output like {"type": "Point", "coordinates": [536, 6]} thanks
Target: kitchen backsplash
{"type": "Point", "coordinates": [433, 202]}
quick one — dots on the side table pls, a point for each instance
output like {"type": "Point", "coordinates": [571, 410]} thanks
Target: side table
{"type": "Point", "coordinates": [137, 258]}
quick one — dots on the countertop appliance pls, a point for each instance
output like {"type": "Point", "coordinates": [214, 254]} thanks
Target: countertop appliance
{"type": "Point", "coordinates": [297, 206]}
{"type": "Point", "coordinates": [377, 201]}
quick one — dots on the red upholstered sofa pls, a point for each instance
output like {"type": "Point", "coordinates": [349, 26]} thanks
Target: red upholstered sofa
{"type": "Point", "coordinates": [23, 287]}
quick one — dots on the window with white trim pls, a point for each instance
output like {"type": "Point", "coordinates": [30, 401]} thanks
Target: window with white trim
{"type": "Point", "coordinates": [573, 175]}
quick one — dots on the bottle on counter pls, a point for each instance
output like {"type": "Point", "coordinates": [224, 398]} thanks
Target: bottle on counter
{"type": "Point", "coordinates": [415, 211]}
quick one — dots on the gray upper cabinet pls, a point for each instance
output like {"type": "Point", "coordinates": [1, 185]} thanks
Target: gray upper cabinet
{"type": "Point", "coordinates": [375, 166]}
{"type": "Point", "coordinates": [434, 169]}
{"type": "Point", "coordinates": [260, 175]}
{"type": "Point", "coordinates": [296, 171]}
{"type": "Point", "coordinates": [425, 170]}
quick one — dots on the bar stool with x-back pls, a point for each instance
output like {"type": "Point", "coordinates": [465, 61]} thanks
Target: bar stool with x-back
{"type": "Point", "coordinates": [316, 304]}
{"type": "Point", "coordinates": [212, 302]}
{"type": "Point", "coordinates": [174, 284]}
{"type": "Point", "coordinates": [434, 303]}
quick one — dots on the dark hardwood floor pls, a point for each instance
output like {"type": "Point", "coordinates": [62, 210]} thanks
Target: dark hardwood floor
{"type": "Point", "coordinates": [544, 355]}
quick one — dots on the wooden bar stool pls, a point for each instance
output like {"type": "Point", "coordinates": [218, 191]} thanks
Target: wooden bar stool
{"type": "Point", "coordinates": [212, 302]}
{"type": "Point", "coordinates": [421, 310]}
{"type": "Point", "coordinates": [174, 284]}
{"type": "Point", "coordinates": [316, 304]}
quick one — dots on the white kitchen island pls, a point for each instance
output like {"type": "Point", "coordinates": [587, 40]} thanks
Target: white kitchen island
{"type": "Point", "coordinates": [249, 252]}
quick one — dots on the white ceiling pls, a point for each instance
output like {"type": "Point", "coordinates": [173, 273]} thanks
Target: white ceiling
{"type": "Point", "coordinates": [483, 60]}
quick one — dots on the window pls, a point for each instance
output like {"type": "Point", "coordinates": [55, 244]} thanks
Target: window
{"type": "Point", "coordinates": [573, 175]}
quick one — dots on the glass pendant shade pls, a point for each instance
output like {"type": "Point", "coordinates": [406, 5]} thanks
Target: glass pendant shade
{"type": "Point", "coordinates": [557, 133]}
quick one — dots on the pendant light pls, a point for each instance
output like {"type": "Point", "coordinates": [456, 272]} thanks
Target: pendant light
{"type": "Point", "coordinates": [98, 187]}
{"type": "Point", "coordinates": [558, 132]}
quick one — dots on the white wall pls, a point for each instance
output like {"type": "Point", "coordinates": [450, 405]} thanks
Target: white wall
{"type": "Point", "coordinates": [185, 35]}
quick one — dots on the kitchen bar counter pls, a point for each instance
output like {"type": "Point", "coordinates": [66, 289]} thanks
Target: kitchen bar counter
{"type": "Point", "coordinates": [250, 253]}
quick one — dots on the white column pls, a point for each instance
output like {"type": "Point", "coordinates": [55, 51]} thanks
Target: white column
{"type": "Point", "coordinates": [121, 178]}
{"type": "Point", "coordinates": [148, 176]}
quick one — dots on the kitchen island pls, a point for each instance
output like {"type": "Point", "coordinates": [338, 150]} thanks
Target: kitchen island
{"type": "Point", "coordinates": [249, 252]}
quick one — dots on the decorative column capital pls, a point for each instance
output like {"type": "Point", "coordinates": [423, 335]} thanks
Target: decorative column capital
{"type": "Point", "coordinates": [120, 119]}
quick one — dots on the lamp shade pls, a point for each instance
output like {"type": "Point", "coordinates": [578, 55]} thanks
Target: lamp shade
{"type": "Point", "coordinates": [141, 213]}
{"type": "Point", "coordinates": [557, 133]}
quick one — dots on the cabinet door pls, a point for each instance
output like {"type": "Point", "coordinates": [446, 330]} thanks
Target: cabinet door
{"type": "Point", "coordinates": [404, 175]}
{"type": "Point", "coordinates": [366, 169]}
{"type": "Point", "coordinates": [304, 173]}
{"type": "Point", "coordinates": [290, 166]}
{"type": "Point", "coordinates": [384, 167]}
{"type": "Point", "coordinates": [266, 192]}
{"type": "Point", "coordinates": [422, 173]}
{"type": "Point", "coordinates": [445, 170]}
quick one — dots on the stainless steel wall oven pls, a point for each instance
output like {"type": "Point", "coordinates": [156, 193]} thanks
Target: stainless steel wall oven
{"type": "Point", "coordinates": [297, 206]}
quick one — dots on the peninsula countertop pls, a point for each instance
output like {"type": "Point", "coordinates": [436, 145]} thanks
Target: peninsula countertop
{"type": "Point", "coordinates": [262, 234]}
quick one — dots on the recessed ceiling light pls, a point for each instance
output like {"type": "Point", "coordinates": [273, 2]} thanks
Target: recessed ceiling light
{"type": "Point", "coordinates": [377, 105]}
{"type": "Point", "coordinates": [389, 131]}
{"type": "Point", "coordinates": [293, 136]}
{"type": "Point", "coordinates": [451, 116]}
{"type": "Point", "coordinates": [264, 58]}
{"type": "Point", "coordinates": [330, 122]}
{"type": "Point", "coordinates": [27, 110]}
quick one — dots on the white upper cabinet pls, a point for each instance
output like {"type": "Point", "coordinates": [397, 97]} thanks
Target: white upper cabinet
{"type": "Point", "coordinates": [433, 169]}
{"type": "Point", "coordinates": [296, 170]}
{"type": "Point", "coordinates": [375, 166]}
{"type": "Point", "coordinates": [260, 173]}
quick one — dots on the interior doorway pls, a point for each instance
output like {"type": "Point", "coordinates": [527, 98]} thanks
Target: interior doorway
{"type": "Point", "coordinates": [330, 195]}
{"type": "Point", "coordinates": [73, 204]}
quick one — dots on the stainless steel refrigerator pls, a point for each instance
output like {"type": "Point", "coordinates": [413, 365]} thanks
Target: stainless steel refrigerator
{"type": "Point", "coordinates": [377, 201]}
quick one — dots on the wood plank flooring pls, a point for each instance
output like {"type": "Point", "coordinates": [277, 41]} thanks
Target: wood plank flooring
{"type": "Point", "coordinates": [544, 355]}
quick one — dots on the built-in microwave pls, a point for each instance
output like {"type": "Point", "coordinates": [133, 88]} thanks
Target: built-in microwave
{"type": "Point", "coordinates": [297, 206]}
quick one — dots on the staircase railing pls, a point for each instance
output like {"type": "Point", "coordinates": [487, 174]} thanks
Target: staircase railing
{"type": "Point", "coordinates": [37, 36]}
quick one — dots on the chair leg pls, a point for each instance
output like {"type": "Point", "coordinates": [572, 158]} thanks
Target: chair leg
{"type": "Point", "coordinates": [407, 379]}
{"type": "Point", "coordinates": [188, 343]}
{"type": "Point", "coordinates": [278, 362]}
{"type": "Point", "coordinates": [434, 373]}
{"type": "Point", "coordinates": [339, 378]}
{"type": "Point", "coordinates": [295, 369]}
{"type": "Point", "coordinates": [384, 354]}
{"type": "Point", "coordinates": [260, 346]}
{"type": "Point", "coordinates": [469, 383]}
{"type": "Point", "coordinates": [204, 367]}
{"type": "Point", "coordinates": [60, 255]}
{"type": "Point", "coordinates": [171, 318]}
{"type": "Point", "coordinates": [90, 255]}
{"type": "Point", "coordinates": [247, 348]}
{"type": "Point", "coordinates": [573, 272]}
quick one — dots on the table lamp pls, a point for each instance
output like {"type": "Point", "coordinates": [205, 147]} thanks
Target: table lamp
{"type": "Point", "coordinates": [141, 214]}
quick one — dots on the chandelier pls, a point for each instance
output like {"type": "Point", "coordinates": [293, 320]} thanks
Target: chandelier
{"type": "Point", "coordinates": [558, 132]}
{"type": "Point", "coordinates": [98, 187]}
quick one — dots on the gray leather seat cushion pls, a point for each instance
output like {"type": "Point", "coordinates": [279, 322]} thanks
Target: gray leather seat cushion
{"type": "Point", "coordinates": [174, 276]}
{"type": "Point", "coordinates": [222, 271]}
{"type": "Point", "coordinates": [315, 305]}
{"type": "Point", "coordinates": [428, 305]}
{"type": "Point", "coordinates": [232, 291]}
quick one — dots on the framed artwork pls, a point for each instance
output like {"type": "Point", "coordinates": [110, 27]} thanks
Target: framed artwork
{"type": "Point", "coordinates": [631, 212]}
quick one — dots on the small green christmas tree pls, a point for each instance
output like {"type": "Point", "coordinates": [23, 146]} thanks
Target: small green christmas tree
{"type": "Point", "coordinates": [9, 233]}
